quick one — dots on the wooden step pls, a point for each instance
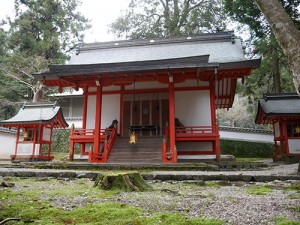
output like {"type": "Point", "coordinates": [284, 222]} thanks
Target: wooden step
{"type": "Point", "coordinates": [147, 150]}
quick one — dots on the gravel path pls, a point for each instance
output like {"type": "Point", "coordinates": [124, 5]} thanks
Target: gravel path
{"type": "Point", "coordinates": [231, 203]}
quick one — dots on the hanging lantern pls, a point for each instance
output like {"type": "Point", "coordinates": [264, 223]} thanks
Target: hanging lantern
{"type": "Point", "coordinates": [132, 138]}
{"type": "Point", "coordinates": [25, 135]}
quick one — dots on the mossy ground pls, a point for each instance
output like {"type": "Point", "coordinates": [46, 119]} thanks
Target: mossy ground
{"type": "Point", "coordinates": [52, 201]}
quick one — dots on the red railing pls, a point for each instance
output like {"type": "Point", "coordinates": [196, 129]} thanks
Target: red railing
{"type": "Point", "coordinates": [168, 155]}
{"type": "Point", "coordinates": [194, 130]}
{"type": "Point", "coordinates": [82, 136]}
{"type": "Point", "coordinates": [82, 132]}
{"type": "Point", "coordinates": [109, 137]}
{"type": "Point", "coordinates": [187, 133]}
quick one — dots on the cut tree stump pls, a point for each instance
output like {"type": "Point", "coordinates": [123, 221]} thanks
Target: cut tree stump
{"type": "Point", "coordinates": [132, 181]}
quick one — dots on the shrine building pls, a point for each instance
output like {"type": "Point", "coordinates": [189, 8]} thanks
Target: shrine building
{"type": "Point", "coordinates": [161, 92]}
{"type": "Point", "coordinates": [283, 112]}
{"type": "Point", "coordinates": [34, 124]}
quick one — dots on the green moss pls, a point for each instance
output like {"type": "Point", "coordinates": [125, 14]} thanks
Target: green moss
{"type": "Point", "coordinates": [176, 218]}
{"type": "Point", "coordinates": [295, 208]}
{"type": "Point", "coordinates": [250, 159]}
{"type": "Point", "coordinates": [259, 190]}
{"type": "Point", "coordinates": [126, 181]}
{"type": "Point", "coordinates": [294, 187]}
{"type": "Point", "coordinates": [211, 184]}
{"type": "Point", "coordinates": [294, 196]}
{"type": "Point", "coordinates": [281, 220]}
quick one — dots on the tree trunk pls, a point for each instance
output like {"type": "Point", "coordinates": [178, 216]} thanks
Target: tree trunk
{"type": "Point", "coordinates": [39, 92]}
{"type": "Point", "coordinates": [276, 72]}
{"type": "Point", "coordinates": [131, 181]}
{"type": "Point", "coordinates": [286, 33]}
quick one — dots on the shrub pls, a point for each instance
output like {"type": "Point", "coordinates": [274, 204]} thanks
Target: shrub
{"type": "Point", "coordinates": [243, 149]}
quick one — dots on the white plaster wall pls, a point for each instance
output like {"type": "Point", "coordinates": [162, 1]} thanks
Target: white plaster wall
{"type": "Point", "coordinates": [91, 112]}
{"type": "Point", "coordinates": [77, 123]}
{"type": "Point", "coordinates": [192, 108]}
{"type": "Point", "coordinates": [294, 146]}
{"type": "Point", "coordinates": [26, 149]}
{"type": "Point", "coordinates": [110, 109]}
{"type": "Point", "coordinates": [46, 134]}
{"type": "Point", "coordinates": [7, 144]}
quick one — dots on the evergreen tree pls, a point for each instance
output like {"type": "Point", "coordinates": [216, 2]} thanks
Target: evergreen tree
{"type": "Point", "coordinates": [165, 18]}
{"type": "Point", "coordinates": [42, 32]}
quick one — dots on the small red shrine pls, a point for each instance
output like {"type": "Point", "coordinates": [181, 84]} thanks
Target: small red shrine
{"type": "Point", "coordinates": [283, 112]}
{"type": "Point", "coordinates": [34, 123]}
{"type": "Point", "coordinates": [145, 85]}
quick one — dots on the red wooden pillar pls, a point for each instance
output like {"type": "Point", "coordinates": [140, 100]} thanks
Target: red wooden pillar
{"type": "Point", "coordinates": [98, 119]}
{"type": "Point", "coordinates": [172, 118]}
{"type": "Point", "coordinates": [84, 115]}
{"type": "Point", "coordinates": [49, 145]}
{"type": "Point", "coordinates": [216, 144]}
{"type": "Point", "coordinates": [286, 139]}
{"type": "Point", "coordinates": [41, 134]}
{"type": "Point", "coordinates": [17, 142]}
{"type": "Point", "coordinates": [275, 140]}
{"type": "Point", "coordinates": [282, 138]}
{"type": "Point", "coordinates": [121, 111]}
{"type": "Point", "coordinates": [35, 129]}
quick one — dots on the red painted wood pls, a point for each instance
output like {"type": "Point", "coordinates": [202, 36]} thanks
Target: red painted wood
{"type": "Point", "coordinates": [121, 110]}
{"type": "Point", "coordinates": [172, 119]}
{"type": "Point", "coordinates": [34, 141]}
{"type": "Point", "coordinates": [98, 120]}
{"type": "Point", "coordinates": [216, 143]}
{"type": "Point", "coordinates": [40, 138]}
{"type": "Point", "coordinates": [17, 140]}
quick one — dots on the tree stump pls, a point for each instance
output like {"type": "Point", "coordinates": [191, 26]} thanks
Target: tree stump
{"type": "Point", "coordinates": [131, 181]}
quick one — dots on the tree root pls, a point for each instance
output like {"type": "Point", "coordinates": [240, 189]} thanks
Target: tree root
{"type": "Point", "coordinates": [9, 219]}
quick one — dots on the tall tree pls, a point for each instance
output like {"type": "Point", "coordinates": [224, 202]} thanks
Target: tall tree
{"type": "Point", "coordinates": [42, 32]}
{"type": "Point", "coordinates": [273, 74]}
{"type": "Point", "coordinates": [49, 28]}
{"type": "Point", "coordinates": [164, 18]}
{"type": "Point", "coordinates": [286, 34]}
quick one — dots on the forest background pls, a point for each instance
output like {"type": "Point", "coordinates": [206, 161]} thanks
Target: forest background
{"type": "Point", "coordinates": [47, 32]}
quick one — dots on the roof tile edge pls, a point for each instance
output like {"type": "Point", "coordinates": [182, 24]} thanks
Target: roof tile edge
{"type": "Point", "coordinates": [219, 36]}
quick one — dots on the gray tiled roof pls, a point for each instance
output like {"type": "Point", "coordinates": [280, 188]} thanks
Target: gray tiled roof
{"type": "Point", "coordinates": [221, 47]}
{"type": "Point", "coordinates": [35, 113]}
{"type": "Point", "coordinates": [280, 104]}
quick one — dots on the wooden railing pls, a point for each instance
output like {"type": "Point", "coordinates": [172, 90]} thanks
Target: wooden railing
{"type": "Point", "coordinates": [82, 136]}
{"type": "Point", "coordinates": [82, 132]}
{"type": "Point", "coordinates": [187, 133]}
{"type": "Point", "coordinates": [108, 136]}
{"type": "Point", "coordinates": [167, 154]}
{"type": "Point", "coordinates": [195, 130]}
